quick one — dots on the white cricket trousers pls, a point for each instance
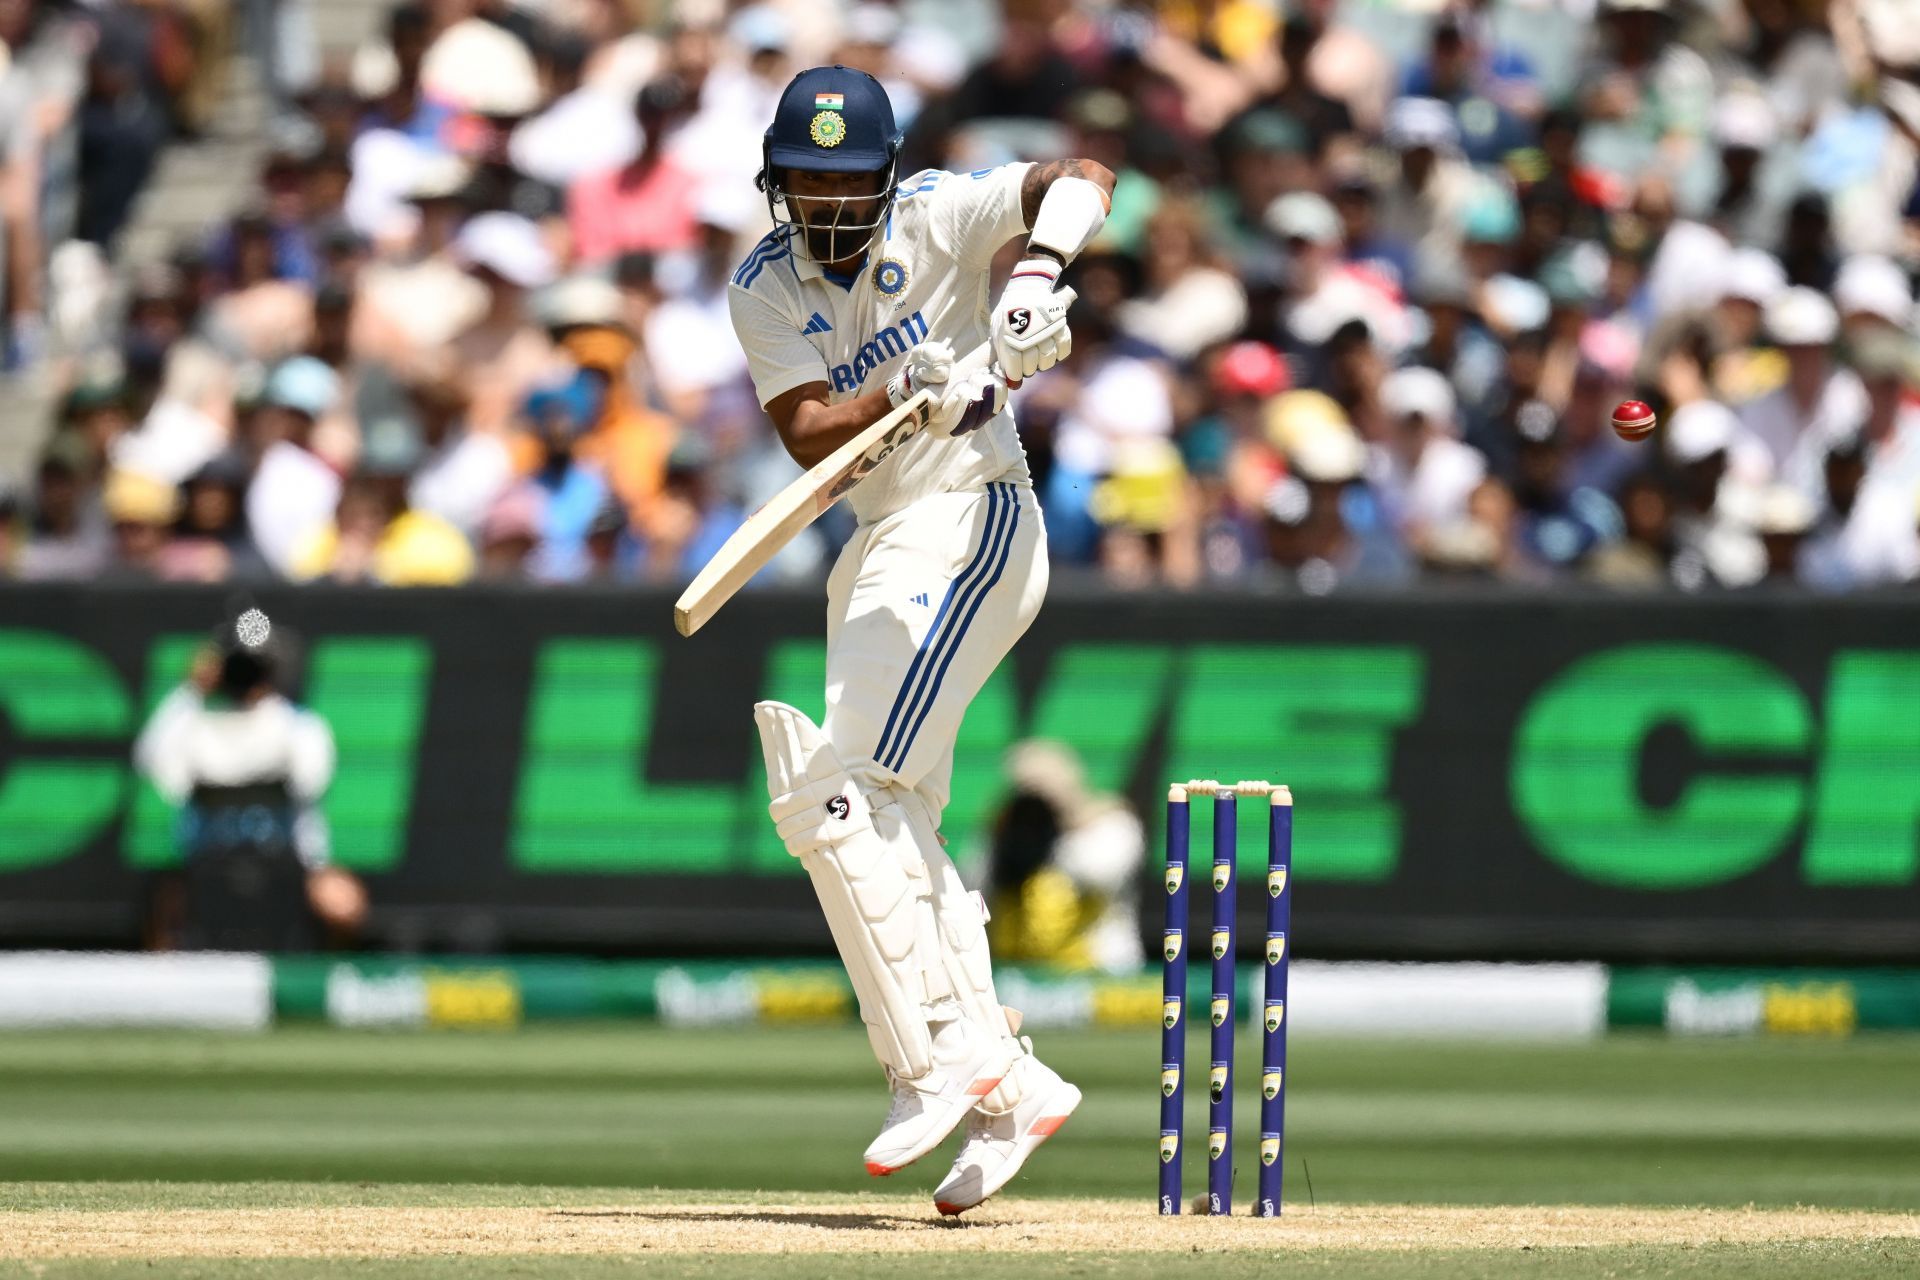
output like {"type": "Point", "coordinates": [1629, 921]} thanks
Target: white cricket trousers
{"type": "Point", "coordinates": [921, 607]}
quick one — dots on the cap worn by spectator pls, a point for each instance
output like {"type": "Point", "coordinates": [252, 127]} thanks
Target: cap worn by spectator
{"type": "Point", "coordinates": [1415, 124]}
{"type": "Point", "coordinates": [1304, 215]}
{"type": "Point", "coordinates": [132, 497]}
{"type": "Point", "coordinates": [507, 245]}
{"type": "Point", "coordinates": [1270, 131]}
{"type": "Point", "coordinates": [479, 67]}
{"type": "Point", "coordinates": [1699, 430]}
{"type": "Point", "coordinates": [584, 302]}
{"type": "Point", "coordinates": [1328, 456]}
{"type": "Point", "coordinates": [440, 177]}
{"type": "Point", "coordinates": [1143, 490]}
{"type": "Point", "coordinates": [1419, 392]}
{"type": "Point", "coordinates": [303, 384]}
{"type": "Point", "coordinates": [1870, 285]}
{"type": "Point", "coordinates": [1802, 317]}
{"type": "Point", "coordinates": [1293, 415]}
{"type": "Point", "coordinates": [1744, 121]}
{"type": "Point", "coordinates": [1491, 217]}
{"type": "Point", "coordinates": [1754, 275]}
{"type": "Point", "coordinates": [1886, 354]}
{"type": "Point", "coordinates": [1783, 509]}
{"type": "Point", "coordinates": [1517, 305]}
{"type": "Point", "coordinates": [1251, 369]}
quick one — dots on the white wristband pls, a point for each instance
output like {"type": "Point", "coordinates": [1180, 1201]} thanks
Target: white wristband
{"type": "Point", "coordinates": [1070, 216]}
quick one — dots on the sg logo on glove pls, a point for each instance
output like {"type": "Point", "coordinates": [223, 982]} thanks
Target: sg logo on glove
{"type": "Point", "coordinates": [1018, 319]}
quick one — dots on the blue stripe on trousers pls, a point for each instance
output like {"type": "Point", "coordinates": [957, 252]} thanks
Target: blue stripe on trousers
{"type": "Point", "coordinates": [1005, 552]}
{"type": "Point", "coordinates": [954, 589]}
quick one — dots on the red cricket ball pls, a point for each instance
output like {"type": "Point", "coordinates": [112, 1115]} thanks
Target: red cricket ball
{"type": "Point", "coordinates": [1633, 419]}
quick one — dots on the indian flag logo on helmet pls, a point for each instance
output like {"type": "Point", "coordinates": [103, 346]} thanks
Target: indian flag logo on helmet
{"type": "Point", "coordinates": [829, 101]}
{"type": "Point", "coordinates": [828, 129]}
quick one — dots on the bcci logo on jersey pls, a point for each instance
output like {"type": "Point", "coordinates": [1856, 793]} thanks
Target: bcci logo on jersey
{"type": "Point", "coordinates": [894, 340]}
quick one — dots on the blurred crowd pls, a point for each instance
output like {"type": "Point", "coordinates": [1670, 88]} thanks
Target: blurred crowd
{"type": "Point", "coordinates": [1377, 272]}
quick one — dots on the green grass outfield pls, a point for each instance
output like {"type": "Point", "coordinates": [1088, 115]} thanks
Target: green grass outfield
{"type": "Point", "coordinates": [591, 1114]}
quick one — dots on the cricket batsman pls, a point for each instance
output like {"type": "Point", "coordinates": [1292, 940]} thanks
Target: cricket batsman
{"type": "Point", "coordinates": [870, 289]}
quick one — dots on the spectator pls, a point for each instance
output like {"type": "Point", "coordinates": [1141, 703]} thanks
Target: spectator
{"type": "Point", "coordinates": [1713, 544]}
{"type": "Point", "coordinates": [462, 472]}
{"type": "Point", "coordinates": [1190, 300]}
{"type": "Point", "coordinates": [1422, 471]}
{"type": "Point", "coordinates": [1785, 433]}
{"type": "Point", "coordinates": [376, 537]}
{"type": "Point", "coordinates": [568, 491]}
{"type": "Point", "coordinates": [648, 204]}
{"type": "Point", "coordinates": [293, 492]}
{"type": "Point", "coordinates": [1063, 866]}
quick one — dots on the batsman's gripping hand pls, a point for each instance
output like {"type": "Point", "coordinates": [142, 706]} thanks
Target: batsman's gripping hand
{"type": "Point", "coordinates": [1030, 323]}
{"type": "Point", "coordinates": [963, 399]}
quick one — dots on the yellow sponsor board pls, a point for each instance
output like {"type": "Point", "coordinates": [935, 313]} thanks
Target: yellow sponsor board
{"type": "Point", "coordinates": [784, 998]}
{"type": "Point", "coordinates": [1809, 1008]}
{"type": "Point", "coordinates": [1126, 1004]}
{"type": "Point", "coordinates": [472, 998]}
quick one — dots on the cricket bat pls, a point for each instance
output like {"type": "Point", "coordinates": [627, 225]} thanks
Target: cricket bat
{"type": "Point", "coordinates": [798, 505]}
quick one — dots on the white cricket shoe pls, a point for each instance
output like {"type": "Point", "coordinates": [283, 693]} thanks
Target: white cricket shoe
{"type": "Point", "coordinates": [968, 1064]}
{"type": "Point", "coordinates": [997, 1145]}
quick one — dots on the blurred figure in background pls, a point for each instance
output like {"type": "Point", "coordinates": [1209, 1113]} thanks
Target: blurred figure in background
{"type": "Point", "coordinates": [246, 769]}
{"type": "Point", "coordinates": [1064, 866]}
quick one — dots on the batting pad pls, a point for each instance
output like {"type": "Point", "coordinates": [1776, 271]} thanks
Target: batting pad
{"type": "Point", "coordinates": [872, 886]}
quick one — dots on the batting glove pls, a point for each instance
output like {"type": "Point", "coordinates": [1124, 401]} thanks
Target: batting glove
{"type": "Point", "coordinates": [970, 401]}
{"type": "Point", "coordinates": [928, 365]}
{"type": "Point", "coordinates": [1030, 323]}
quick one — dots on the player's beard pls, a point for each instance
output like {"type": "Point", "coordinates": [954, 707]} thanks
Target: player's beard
{"type": "Point", "coordinates": [839, 229]}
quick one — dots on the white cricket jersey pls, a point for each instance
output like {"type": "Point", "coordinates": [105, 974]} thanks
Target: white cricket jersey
{"type": "Point", "coordinates": [925, 279]}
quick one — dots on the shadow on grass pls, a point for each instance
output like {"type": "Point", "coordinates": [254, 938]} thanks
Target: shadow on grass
{"type": "Point", "coordinates": [781, 1217]}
